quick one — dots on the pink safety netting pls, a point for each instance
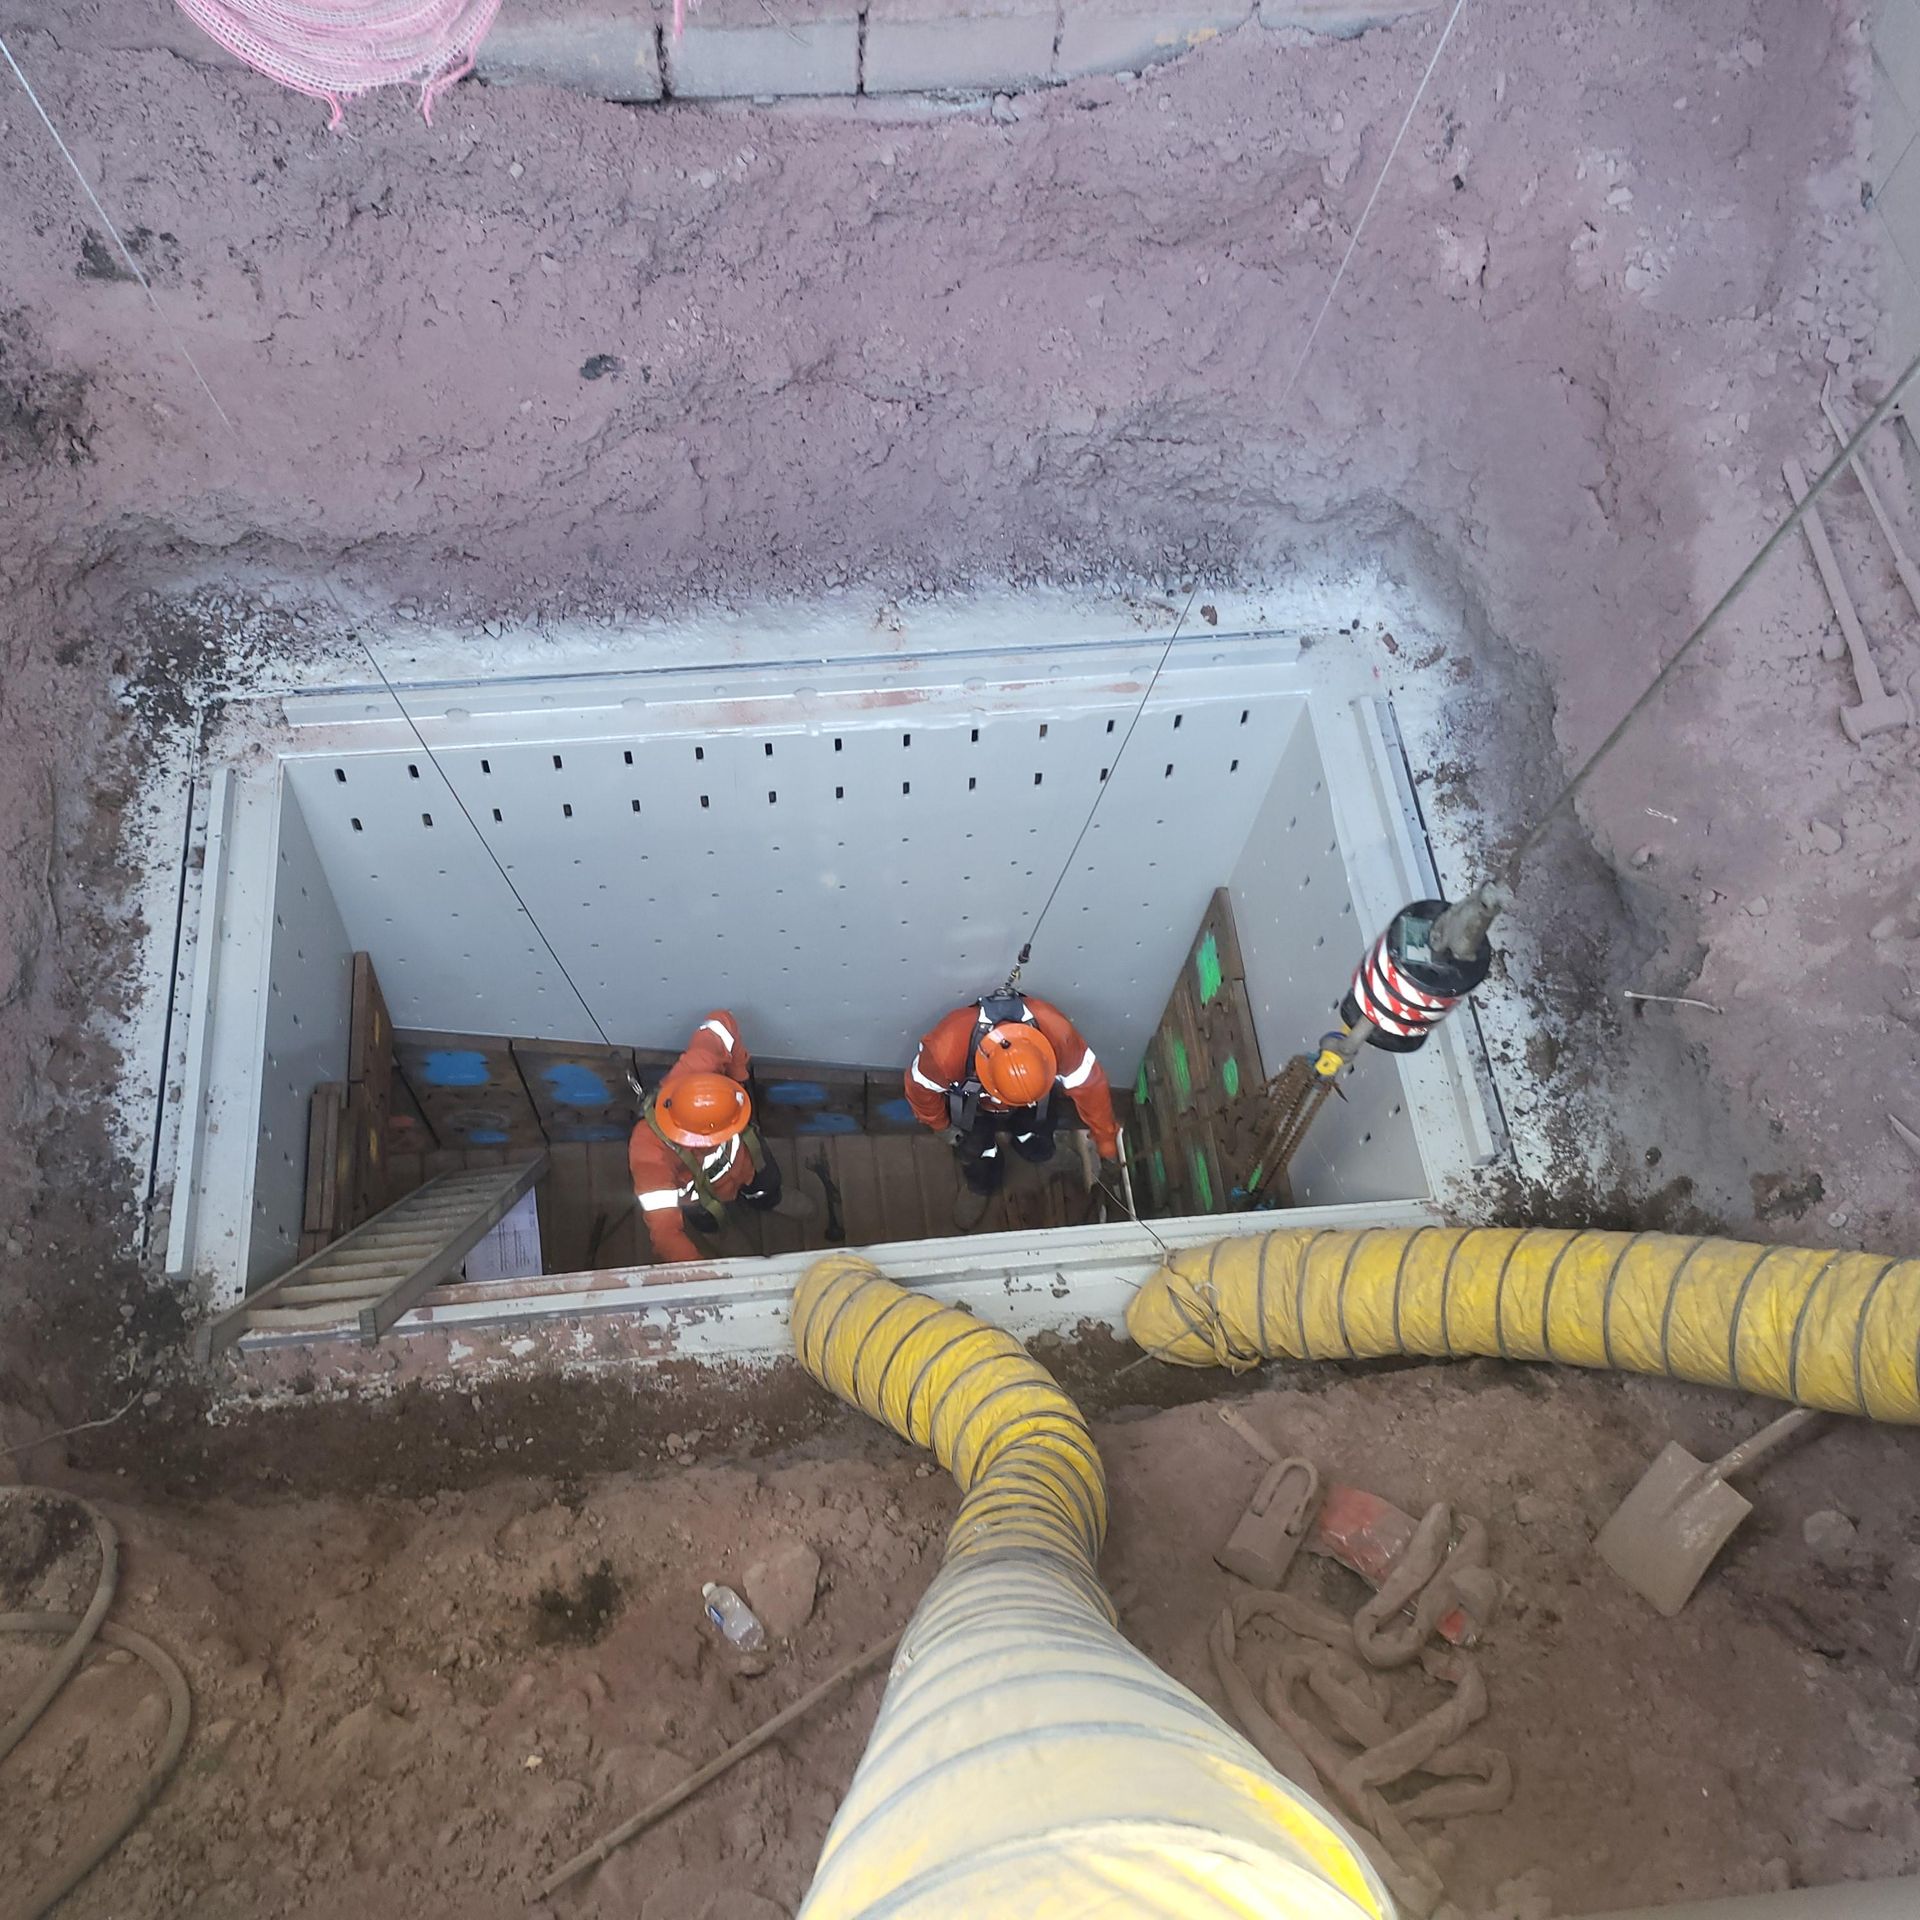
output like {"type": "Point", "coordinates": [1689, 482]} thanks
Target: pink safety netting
{"type": "Point", "coordinates": [332, 50]}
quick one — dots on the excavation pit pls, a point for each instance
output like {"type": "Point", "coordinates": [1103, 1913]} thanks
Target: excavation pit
{"type": "Point", "coordinates": [837, 849]}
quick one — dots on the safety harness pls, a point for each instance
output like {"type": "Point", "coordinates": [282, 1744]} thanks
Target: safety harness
{"type": "Point", "coordinates": [963, 1100]}
{"type": "Point", "coordinates": [749, 1138]}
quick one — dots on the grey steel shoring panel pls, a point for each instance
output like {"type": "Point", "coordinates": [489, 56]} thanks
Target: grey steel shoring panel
{"type": "Point", "coordinates": [1300, 940]}
{"type": "Point", "coordinates": [838, 887]}
{"type": "Point", "coordinates": [309, 993]}
{"type": "Point", "coordinates": [417, 891]}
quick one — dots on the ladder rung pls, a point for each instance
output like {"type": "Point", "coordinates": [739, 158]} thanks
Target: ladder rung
{"type": "Point", "coordinates": [423, 1232]}
{"type": "Point", "coordinates": [313, 1293]}
{"type": "Point", "coordinates": [336, 1270]}
{"type": "Point", "coordinates": [268, 1319]}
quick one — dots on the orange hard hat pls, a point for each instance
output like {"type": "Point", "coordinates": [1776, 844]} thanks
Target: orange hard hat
{"type": "Point", "coordinates": [1016, 1064]}
{"type": "Point", "coordinates": [702, 1109]}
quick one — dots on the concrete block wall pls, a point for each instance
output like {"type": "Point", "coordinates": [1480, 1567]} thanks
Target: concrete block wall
{"type": "Point", "coordinates": [770, 49]}
{"type": "Point", "coordinates": [1120, 36]}
{"type": "Point", "coordinates": [773, 49]}
{"type": "Point", "coordinates": [976, 46]}
{"type": "Point", "coordinates": [614, 52]}
{"type": "Point", "coordinates": [1341, 19]}
{"type": "Point", "coordinates": [747, 49]}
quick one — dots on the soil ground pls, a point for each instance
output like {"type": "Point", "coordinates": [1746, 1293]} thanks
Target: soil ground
{"type": "Point", "coordinates": [889, 356]}
{"type": "Point", "coordinates": [1589, 320]}
{"type": "Point", "coordinates": [421, 1702]}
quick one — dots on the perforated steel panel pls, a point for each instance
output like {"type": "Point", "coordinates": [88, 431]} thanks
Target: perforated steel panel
{"type": "Point", "coordinates": [838, 886]}
{"type": "Point", "coordinates": [1300, 939]}
{"type": "Point", "coordinates": [308, 999]}
{"type": "Point", "coordinates": [840, 826]}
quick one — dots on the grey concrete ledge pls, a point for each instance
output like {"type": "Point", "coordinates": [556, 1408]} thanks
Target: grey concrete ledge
{"type": "Point", "coordinates": [625, 50]}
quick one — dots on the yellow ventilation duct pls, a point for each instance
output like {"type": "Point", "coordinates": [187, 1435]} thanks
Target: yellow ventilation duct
{"type": "Point", "coordinates": [1840, 1331]}
{"type": "Point", "coordinates": [1028, 1763]}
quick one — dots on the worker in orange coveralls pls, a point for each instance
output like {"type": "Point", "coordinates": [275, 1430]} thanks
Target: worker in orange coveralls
{"type": "Point", "coordinates": [996, 1067]}
{"type": "Point", "coordinates": [696, 1151]}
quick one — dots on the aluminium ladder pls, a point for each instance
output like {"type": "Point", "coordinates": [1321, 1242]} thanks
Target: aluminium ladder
{"type": "Point", "coordinates": [379, 1270]}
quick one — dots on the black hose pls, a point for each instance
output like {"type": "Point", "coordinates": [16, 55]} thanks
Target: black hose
{"type": "Point", "coordinates": [60, 1671]}
{"type": "Point", "coordinates": [82, 1629]}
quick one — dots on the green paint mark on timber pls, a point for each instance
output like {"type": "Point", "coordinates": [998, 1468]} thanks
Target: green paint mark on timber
{"type": "Point", "coordinates": [1182, 1073]}
{"type": "Point", "coordinates": [1159, 1174]}
{"type": "Point", "coordinates": [1140, 1086]}
{"type": "Point", "coordinates": [1203, 1180]}
{"type": "Point", "coordinates": [1230, 1077]}
{"type": "Point", "coordinates": [1253, 1179]}
{"type": "Point", "coordinates": [1206, 966]}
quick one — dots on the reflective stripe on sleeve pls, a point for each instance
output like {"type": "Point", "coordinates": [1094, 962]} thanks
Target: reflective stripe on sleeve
{"type": "Point", "coordinates": [920, 1079]}
{"type": "Point", "coordinates": [714, 1027]}
{"type": "Point", "coordinates": [1081, 1074]}
{"type": "Point", "coordinates": [660, 1199]}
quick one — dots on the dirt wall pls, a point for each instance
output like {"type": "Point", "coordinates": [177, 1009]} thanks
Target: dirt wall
{"type": "Point", "coordinates": [553, 357]}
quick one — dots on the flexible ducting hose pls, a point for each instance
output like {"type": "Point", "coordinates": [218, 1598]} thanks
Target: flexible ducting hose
{"type": "Point", "coordinates": [1028, 1763]}
{"type": "Point", "coordinates": [81, 1630]}
{"type": "Point", "coordinates": [1839, 1331]}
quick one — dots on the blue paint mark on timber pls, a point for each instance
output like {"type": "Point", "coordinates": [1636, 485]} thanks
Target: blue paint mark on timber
{"type": "Point", "coordinates": [898, 1113]}
{"type": "Point", "coordinates": [486, 1137]}
{"type": "Point", "coordinates": [828, 1123]}
{"type": "Point", "coordinates": [575, 1086]}
{"type": "Point", "coordinates": [455, 1067]}
{"type": "Point", "coordinates": [798, 1093]}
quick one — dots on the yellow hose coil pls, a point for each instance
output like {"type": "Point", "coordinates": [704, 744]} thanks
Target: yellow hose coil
{"type": "Point", "coordinates": [1028, 1763]}
{"type": "Point", "coordinates": [1840, 1331]}
{"type": "Point", "coordinates": [995, 1419]}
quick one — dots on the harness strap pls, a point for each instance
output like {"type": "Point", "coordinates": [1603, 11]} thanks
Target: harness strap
{"type": "Point", "coordinates": [994, 1009]}
{"type": "Point", "coordinates": [749, 1137]}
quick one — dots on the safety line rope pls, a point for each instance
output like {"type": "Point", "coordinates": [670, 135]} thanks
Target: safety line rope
{"type": "Point", "coordinates": [1340, 273]}
{"type": "Point", "coordinates": [1073, 852]}
{"type": "Point", "coordinates": [499, 867]}
{"type": "Point", "coordinates": [1742, 580]}
{"type": "Point", "coordinates": [1313, 333]}
{"type": "Point", "coordinates": [106, 220]}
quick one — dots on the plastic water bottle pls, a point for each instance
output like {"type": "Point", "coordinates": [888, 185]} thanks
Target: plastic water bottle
{"type": "Point", "coordinates": [735, 1619]}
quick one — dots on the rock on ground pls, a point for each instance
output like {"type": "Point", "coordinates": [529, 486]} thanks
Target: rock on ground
{"type": "Point", "coordinates": [781, 1585]}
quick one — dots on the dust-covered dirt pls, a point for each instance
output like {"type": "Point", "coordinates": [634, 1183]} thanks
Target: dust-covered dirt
{"type": "Point", "coordinates": [556, 359]}
{"type": "Point", "coordinates": [423, 1702]}
{"type": "Point", "coordinates": [551, 359]}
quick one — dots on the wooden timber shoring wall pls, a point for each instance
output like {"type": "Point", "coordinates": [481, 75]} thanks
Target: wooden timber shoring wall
{"type": "Point", "coordinates": [1197, 1100]}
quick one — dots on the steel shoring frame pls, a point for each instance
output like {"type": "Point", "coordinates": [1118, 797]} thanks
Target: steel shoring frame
{"type": "Point", "coordinates": [1378, 840]}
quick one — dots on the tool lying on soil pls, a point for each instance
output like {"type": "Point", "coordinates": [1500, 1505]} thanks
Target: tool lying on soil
{"type": "Point", "coordinates": [1267, 1536]}
{"type": "Point", "coordinates": [1902, 564]}
{"type": "Point", "coordinates": [721, 1763]}
{"type": "Point", "coordinates": [1665, 1533]}
{"type": "Point", "coordinates": [1878, 709]}
{"type": "Point", "coordinates": [1372, 1537]}
{"type": "Point", "coordinates": [1238, 1421]}
{"type": "Point", "coordinates": [1369, 1536]}
{"type": "Point", "coordinates": [1349, 1766]}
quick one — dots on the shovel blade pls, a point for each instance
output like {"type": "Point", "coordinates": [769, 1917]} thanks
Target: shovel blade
{"type": "Point", "coordinates": [1665, 1533]}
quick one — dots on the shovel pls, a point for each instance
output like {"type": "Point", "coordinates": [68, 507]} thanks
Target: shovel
{"type": "Point", "coordinates": [1662, 1538]}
